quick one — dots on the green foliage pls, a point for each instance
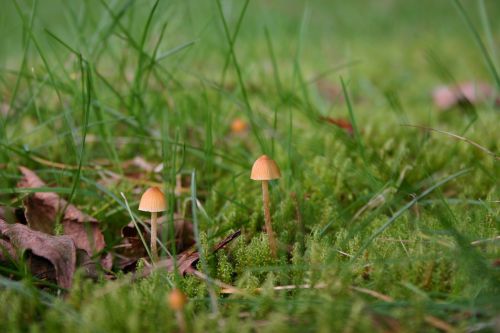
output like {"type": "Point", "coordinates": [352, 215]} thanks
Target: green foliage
{"type": "Point", "coordinates": [224, 268]}
{"type": "Point", "coordinates": [253, 255]}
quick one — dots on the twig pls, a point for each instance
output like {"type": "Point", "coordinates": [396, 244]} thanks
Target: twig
{"type": "Point", "coordinates": [226, 288]}
{"type": "Point", "coordinates": [278, 288]}
{"type": "Point", "coordinates": [431, 320]}
{"type": "Point", "coordinates": [482, 241]}
{"type": "Point", "coordinates": [377, 200]}
{"type": "Point", "coordinates": [478, 146]}
{"type": "Point", "coordinates": [344, 253]}
{"type": "Point", "coordinates": [439, 324]}
{"type": "Point", "coordinates": [373, 293]}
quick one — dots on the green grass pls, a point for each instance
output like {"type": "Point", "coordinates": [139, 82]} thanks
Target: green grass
{"type": "Point", "coordinates": [392, 209]}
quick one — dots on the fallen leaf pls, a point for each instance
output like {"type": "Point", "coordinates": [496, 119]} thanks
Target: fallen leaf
{"type": "Point", "coordinates": [42, 209]}
{"type": "Point", "coordinates": [41, 268]}
{"type": "Point", "coordinates": [90, 268]}
{"type": "Point", "coordinates": [446, 97]}
{"type": "Point", "coordinates": [58, 250]}
{"type": "Point", "coordinates": [132, 249]}
{"type": "Point", "coordinates": [339, 122]}
{"type": "Point", "coordinates": [186, 261]}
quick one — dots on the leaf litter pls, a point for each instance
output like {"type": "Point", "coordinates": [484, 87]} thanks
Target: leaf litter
{"type": "Point", "coordinates": [58, 250]}
{"type": "Point", "coordinates": [29, 234]}
{"type": "Point", "coordinates": [131, 248]}
{"type": "Point", "coordinates": [43, 209]}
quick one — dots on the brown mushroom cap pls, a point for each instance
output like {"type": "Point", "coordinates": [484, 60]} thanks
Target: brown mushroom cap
{"type": "Point", "coordinates": [177, 300]}
{"type": "Point", "coordinates": [239, 126]}
{"type": "Point", "coordinates": [265, 169]}
{"type": "Point", "coordinates": [153, 200]}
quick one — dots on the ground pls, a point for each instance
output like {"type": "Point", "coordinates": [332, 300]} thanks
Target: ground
{"type": "Point", "coordinates": [386, 220]}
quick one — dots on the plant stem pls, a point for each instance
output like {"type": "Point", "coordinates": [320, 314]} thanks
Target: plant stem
{"type": "Point", "coordinates": [267, 216]}
{"type": "Point", "coordinates": [154, 226]}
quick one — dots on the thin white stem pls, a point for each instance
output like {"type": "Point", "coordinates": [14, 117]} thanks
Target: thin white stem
{"type": "Point", "coordinates": [267, 216]}
{"type": "Point", "coordinates": [154, 227]}
{"type": "Point", "coordinates": [181, 321]}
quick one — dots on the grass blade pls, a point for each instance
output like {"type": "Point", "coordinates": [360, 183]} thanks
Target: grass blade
{"type": "Point", "coordinates": [406, 207]}
{"type": "Point", "coordinates": [480, 43]}
{"type": "Point", "coordinates": [248, 107]}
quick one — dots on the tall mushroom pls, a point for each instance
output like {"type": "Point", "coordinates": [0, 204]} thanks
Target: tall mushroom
{"type": "Point", "coordinates": [265, 169]}
{"type": "Point", "coordinates": [153, 201]}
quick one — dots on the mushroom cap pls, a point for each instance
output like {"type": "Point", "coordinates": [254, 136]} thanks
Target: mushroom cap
{"type": "Point", "coordinates": [153, 201]}
{"type": "Point", "coordinates": [239, 126]}
{"type": "Point", "coordinates": [177, 299]}
{"type": "Point", "coordinates": [265, 168]}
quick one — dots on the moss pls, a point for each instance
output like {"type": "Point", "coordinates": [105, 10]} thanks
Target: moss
{"type": "Point", "coordinates": [253, 255]}
{"type": "Point", "coordinates": [224, 268]}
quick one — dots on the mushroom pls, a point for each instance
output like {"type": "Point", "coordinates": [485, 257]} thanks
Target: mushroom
{"type": "Point", "coordinates": [239, 126]}
{"type": "Point", "coordinates": [153, 201]}
{"type": "Point", "coordinates": [265, 169]}
{"type": "Point", "coordinates": [177, 300]}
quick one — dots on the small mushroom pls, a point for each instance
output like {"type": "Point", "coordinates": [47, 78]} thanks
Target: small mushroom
{"type": "Point", "coordinates": [177, 300]}
{"type": "Point", "coordinates": [265, 169]}
{"type": "Point", "coordinates": [153, 201]}
{"type": "Point", "coordinates": [239, 126]}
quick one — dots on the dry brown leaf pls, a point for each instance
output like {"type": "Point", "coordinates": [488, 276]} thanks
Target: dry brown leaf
{"type": "Point", "coordinates": [132, 249]}
{"type": "Point", "coordinates": [341, 123]}
{"type": "Point", "coordinates": [41, 268]}
{"type": "Point", "coordinates": [90, 268]}
{"type": "Point", "coordinates": [42, 209]}
{"type": "Point", "coordinates": [188, 259]}
{"type": "Point", "coordinates": [58, 250]}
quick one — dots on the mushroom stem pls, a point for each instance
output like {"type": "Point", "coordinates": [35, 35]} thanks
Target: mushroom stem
{"type": "Point", "coordinates": [267, 217]}
{"type": "Point", "coordinates": [154, 227]}
{"type": "Point", "coordinates": [181, 322]}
